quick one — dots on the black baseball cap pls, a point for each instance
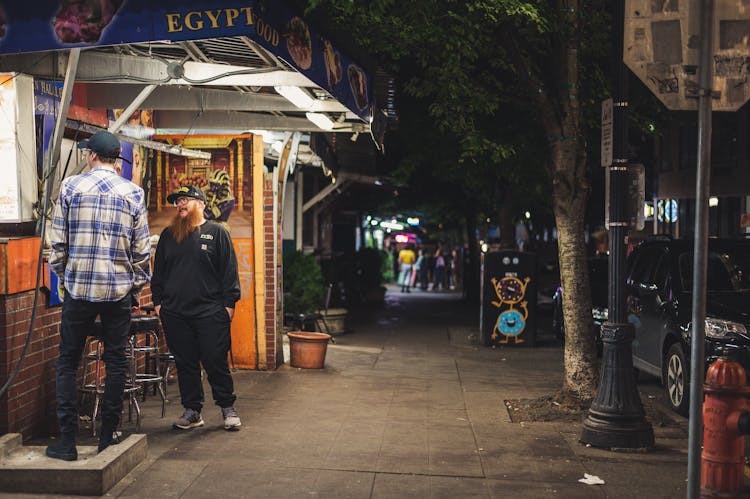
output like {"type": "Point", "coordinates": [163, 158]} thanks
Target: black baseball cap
{"type": "Point", "coordinates": [104, 144]}
{"type": "Point", "coordinates": [187, 191]}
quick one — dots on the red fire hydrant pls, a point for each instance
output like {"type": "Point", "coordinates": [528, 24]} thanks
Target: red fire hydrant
{"type": "Point", "coordinates": [726, 419]}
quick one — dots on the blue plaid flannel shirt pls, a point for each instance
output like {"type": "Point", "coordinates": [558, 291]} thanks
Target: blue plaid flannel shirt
{"type": "Point", "coordinates": [100, 243]}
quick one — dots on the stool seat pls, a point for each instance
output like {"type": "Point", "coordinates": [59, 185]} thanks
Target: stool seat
{"type": "Point", "coordinates": [143, 323]}
{"type": "Point", "coordinates": [139, 323]}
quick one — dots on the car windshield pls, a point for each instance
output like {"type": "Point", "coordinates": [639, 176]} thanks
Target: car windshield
{"type": "Point", "coordinates": [727, 270]}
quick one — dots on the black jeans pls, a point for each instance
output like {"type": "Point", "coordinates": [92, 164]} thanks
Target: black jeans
{"type": "Point", "coordinates": [78, 318]}
{"type": "Point", "coordinates": [197, 340]}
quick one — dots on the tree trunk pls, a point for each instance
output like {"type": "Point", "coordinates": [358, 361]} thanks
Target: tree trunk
{"type": "Point", "coordinates": [570, 189]}
{"type": "Point", "coordinates": [580, 372]}
{"type": "Point", "coordinates": [559, 110]}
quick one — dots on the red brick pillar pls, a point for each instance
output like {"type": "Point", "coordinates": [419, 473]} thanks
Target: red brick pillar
{"type": "Point", "coordinates": [273, 289]}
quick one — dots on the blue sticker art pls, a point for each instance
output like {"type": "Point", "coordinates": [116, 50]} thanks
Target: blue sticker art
{"type": "Point", "coordinates": [511, 323]}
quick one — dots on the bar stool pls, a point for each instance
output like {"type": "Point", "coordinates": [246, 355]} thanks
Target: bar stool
{"type": "Point", "coordinates": [144, 341]}
{"type": "Point", "coordinates": [164, 359]}
{"type": "Point", "coordinates": [142, 348]}
{"type": "Point", "coordinates": [94, 350]}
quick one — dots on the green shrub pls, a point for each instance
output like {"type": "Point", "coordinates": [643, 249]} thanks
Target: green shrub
{"type": "Point", "coordinates": [370, 269]}
{"type": "Point", "coordinates": [303, 283]}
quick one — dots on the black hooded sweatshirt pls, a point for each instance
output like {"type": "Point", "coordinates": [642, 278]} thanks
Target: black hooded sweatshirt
{"type": "Point", "coordinates": [197, 277]}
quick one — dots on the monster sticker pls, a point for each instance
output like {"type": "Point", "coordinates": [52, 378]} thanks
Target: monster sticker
{"type": "Point", "coordinates": [219, 199]}
{"type": "Point", "coordinates": [511, 322]}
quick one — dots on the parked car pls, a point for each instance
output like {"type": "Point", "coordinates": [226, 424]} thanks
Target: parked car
{"type": "Point", "coordinates": [659, 304]}
{"type": "Point", "coordinates": [658, 285]}
{"type": "Point", "coordinates": [598, 280]}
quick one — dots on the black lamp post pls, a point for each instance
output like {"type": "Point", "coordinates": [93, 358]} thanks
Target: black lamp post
{"type": "Point", "coordinates": [616, 417]}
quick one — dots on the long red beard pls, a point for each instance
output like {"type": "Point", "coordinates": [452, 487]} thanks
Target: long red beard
{"type": "Point", "coordinates": [181, 227]}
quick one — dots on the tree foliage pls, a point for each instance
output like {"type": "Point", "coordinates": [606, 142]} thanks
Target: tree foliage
{"type": "Point", "coordinates": [500, 101]}
{"type": "Point", "coordinates": [454, 135]}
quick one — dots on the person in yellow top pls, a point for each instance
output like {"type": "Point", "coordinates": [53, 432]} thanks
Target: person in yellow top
{"type": "Point", "coordinates": [406, 258]}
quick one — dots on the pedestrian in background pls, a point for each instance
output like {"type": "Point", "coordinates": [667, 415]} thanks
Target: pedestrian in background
{"type": "Point", "coordinates": [406, 259]}
{"type": "Point", "coordinates": [439, 270]}
{"type": "Point", "coordinates": [101, 253]}
{"type": "Point", "coordinates": [417, 267]}
{"type": "Point", "coordinates": [522, 236]}
{"type": "Point", "coordinates": [194, 289]}
{"type": "Point", "coordinates": [448, 281]}
{"type": "Point", "coordinates": [424, 269]}
{"type": "Point", "coordinates": [454, 268]}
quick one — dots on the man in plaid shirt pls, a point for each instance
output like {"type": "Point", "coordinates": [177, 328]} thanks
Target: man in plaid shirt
{"type": "Point", "coordinates": [101, 253]}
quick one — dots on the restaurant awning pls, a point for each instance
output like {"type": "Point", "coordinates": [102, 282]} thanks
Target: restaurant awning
{"type": "Point", "coordinates": [216, 65]}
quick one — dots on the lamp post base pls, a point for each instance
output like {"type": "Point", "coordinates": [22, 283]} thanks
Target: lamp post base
{"type": "Point", "coordinates": [607, 433]}
{"type": "Point", "coordinates": [616, 417]}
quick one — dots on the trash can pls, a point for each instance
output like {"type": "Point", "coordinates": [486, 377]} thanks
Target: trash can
{"type": "Point", "coordinates": [509, 299]}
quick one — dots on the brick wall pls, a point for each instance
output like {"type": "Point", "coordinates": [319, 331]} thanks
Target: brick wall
{"type": "Point", "coordinates": [270, 272]}
{"type": "Point", "coordinates": [28, 407]}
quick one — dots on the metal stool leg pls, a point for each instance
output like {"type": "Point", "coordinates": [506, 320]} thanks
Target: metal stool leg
{"type": "Point", "coordinates": [328, 331]}
{"type": "Point", "coordinates": [168, 359]}
{"type": "Point", "coordinates": [149, 346]}
{"type": "Point", "coordinates": [93, 388]}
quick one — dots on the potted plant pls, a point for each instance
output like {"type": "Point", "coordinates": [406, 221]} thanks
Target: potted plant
{"type": "Point", "coordinates": [303, 292]}
{"type": "Point", "coordinates": [303, 284]}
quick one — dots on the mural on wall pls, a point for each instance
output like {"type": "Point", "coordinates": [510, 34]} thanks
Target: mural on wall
{"type": "Point", "coordinates": [219, 199]}
{"type": "Point", "coordinates": [244, 348]}
{"type": "Point", "coordinates": [215, 176]}
{"type": "Point", "coordinates": [183, 171]}
{"type": "Point", "coordinates": [511, 322]}
{"type": "Point", "coordinates": [140, 124]}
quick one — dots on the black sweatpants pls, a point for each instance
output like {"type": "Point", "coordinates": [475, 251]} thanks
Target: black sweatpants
{"type": "Point", "coordinates": [205, 340]}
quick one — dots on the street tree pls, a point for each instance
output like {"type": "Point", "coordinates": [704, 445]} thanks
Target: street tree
{"type": "Point", "coordinates": [501, 75]}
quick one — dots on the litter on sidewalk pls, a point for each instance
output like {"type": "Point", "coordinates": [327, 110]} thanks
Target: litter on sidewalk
{"type": "Point", "coordinates": [591, 480]}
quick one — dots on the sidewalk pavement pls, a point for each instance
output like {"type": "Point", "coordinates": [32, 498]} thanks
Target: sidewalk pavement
{"type": "Point", "coordinates": [408, 406]}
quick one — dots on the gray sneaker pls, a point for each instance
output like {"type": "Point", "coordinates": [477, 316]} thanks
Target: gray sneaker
{"type": "Point", "coordinates": [231, 419]}
{"type": "Point", "coordinates": [190, 419]}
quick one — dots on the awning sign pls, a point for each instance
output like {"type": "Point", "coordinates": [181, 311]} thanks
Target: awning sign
{"type": "Point", "coordinates": [62, 24]}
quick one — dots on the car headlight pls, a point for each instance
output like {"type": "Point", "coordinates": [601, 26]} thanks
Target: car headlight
{"type": "Point", "coordinates": [720, 329]}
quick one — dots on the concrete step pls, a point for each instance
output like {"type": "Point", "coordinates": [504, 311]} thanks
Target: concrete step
{"type": "Point", "coordinates": [27, 469]}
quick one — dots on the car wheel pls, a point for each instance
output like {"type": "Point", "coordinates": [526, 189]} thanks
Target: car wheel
{"type": "Point", "coordinates": [675, 378]}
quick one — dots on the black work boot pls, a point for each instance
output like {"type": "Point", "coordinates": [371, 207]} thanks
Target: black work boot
{"type": "Point", "coordinates": [65, 448]}
{"type": "Point", "coordinates": [107, 436]}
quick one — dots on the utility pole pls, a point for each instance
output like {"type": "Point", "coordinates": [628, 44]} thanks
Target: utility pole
{"type": "Point", "coordinates": [700, 250]}
{"type": "Point", "coordinates": [616, 417]}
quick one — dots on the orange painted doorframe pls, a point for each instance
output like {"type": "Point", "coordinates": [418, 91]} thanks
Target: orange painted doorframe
{"type": "Point", "coordinates": [244, 348]}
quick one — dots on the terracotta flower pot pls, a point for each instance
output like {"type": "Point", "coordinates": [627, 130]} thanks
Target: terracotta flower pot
{"type": "Point", "coordinates": [307, 350]}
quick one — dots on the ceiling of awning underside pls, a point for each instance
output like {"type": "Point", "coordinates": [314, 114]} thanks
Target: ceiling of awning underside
{"type": "Point", "coordinates": [215, 86]}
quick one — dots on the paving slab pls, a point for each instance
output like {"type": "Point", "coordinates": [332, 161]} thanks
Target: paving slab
{"type": "Point", "coordinates": [408, 405]}
{"type": "Point", "coordinates": [27, 469]}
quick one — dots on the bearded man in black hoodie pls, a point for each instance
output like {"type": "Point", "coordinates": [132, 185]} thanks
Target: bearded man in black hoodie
{"type": "Point", "coordinates": [195, 287]}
